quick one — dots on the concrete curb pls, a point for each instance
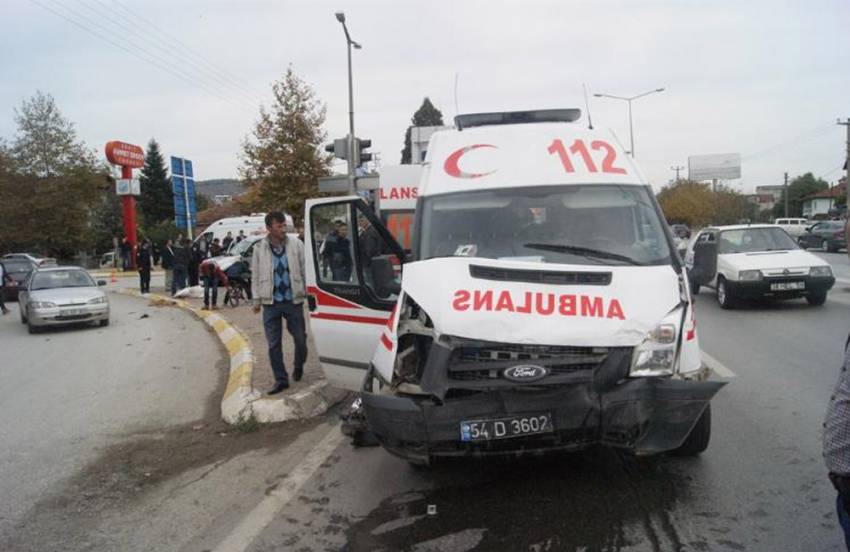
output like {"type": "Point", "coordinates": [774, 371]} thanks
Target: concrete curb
{"type": "Point", "coordinates": [121, 274]}
{"type": "Point", "coordinates": [240, 400]}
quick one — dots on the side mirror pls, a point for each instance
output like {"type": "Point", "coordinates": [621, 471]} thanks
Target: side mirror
{"type": "Point", "coordinates": [101, 282]}
{"type": "Point", "coordinates": [383, 274]}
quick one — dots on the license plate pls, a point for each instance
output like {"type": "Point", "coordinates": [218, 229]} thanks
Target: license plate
{"type": "Point", "coordinates": [72, 312]}
{"type": "Point", "coordinates": [785, 286]}
{"type": "Point", "coordinates": [505, 428]}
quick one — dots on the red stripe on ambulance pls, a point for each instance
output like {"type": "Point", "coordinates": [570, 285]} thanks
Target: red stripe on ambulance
{"type": "Point", "coordinates": [545, 304]}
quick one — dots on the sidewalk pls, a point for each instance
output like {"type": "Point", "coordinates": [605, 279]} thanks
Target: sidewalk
{"type": "Point", "coordinates": [241, 332]}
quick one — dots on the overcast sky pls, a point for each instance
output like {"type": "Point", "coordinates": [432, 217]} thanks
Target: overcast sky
{"type": "Point", "coordinates": [766, 79]}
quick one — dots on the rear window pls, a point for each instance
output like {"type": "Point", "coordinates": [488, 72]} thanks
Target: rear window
{"type": "Point", "coordinates": [16, 266]}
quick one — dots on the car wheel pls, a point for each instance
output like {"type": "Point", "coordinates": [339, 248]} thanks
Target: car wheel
{"type": "Point", "coordinates": [802, 243]}
{"type": "Point", "coordinates": [831, 248]}
{"type": "Point", "coordinates": [23, 318]}
{"type": "Point", "coordinates": [104, 323]}
{"type": "Point", "coordinates": [32, 329]}
{"type": "Point", "coordinates": [824, 245]}
{"type": "Point", "coordinates": [724, 297]}
{"type": "Point", "coordinates": [699, 437]}
{"type": "Point", "coordinates": [816, 299]}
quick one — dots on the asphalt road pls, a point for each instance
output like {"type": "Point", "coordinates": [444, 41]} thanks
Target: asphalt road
{"type": "Point", "coordinates": [760, 486]}
{"type": "Point", "coordinates": [68, 394]}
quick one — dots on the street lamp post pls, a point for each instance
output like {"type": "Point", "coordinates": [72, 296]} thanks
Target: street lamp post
{"type": "Point", "coordinates": [340, 16]}
{"type": "Point", "coordinates": [629, 100]}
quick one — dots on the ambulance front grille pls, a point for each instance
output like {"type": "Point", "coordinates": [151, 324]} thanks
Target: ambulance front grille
{"type": "Point", "coordinates": [487, 362]}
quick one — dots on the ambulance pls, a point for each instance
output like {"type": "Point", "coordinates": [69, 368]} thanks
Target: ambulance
{"type": "Point", "coordinates": [541, 307]}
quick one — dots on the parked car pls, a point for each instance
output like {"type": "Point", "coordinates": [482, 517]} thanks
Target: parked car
{"type": "Point", "coordinates": [56, 296]}
{"type": "Point", "coordinates": [18, 270]}
{"type": "Point", "coordinates": [794, 226]}
{"type": "Point", "coordinates": [828, 235]}
{"type": "Point", "coordinates": [757, 262]}
{"type": "Point", "coordinates": [32, 257]}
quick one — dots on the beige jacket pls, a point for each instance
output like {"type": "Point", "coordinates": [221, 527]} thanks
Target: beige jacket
{"type": "Point", "coordinates": [262, 271]}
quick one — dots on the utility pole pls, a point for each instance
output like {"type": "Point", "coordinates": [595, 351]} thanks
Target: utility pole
{"type": "Point", "coordinates": [677, 168]}
{"type": "Point", "coordinates": [846, 124]}
{"type": "Point", "coordinates": [785, 193]}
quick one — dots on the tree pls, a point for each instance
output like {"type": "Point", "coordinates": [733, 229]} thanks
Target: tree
{"type": "Point", "coordinates": [283, 158]}
{"type": "Point", "coordinates": [156, 200]}
{"type": "Point", "coordinates": [798, 189]}
{"type": "Point", "coordinates": [426, 115]}
{"type": "Point", "coordinates": [695, 204]}
{"type": "Point", "coordinates": [46, 143]}
{"type": "Point", "coordinates": [50, 184]}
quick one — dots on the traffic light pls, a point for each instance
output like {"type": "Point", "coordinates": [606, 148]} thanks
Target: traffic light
{"type": "Point", "coordinates": [361, 156]}
{"type": "Point", "coordinates": [339, 148]}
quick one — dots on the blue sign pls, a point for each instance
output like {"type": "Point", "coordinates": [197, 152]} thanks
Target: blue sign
{"type": "Point", "coordinates": [183, 185]}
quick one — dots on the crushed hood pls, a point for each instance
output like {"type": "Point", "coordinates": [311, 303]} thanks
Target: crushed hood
{"type": "Point", "coordinates": [493, 306]}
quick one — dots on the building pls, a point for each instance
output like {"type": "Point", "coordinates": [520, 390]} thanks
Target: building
{"type": "Point", "coordinates": [819, 204]}
{"type": "Point", "coordinates": [768, 196]}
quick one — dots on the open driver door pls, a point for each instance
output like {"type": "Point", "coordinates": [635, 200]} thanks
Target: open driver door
{"type": "Point", "coordinates": [352, 286]}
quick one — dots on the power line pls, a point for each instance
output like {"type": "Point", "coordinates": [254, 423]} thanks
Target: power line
{"type": "Point", "coordinates": [224, 73]}
{"type": "Point", "coordinates": [151, 60]}
{"type": "Point", "coordinates": [199, 71]}
{"type": "Point", "coordinates": [808, 135]}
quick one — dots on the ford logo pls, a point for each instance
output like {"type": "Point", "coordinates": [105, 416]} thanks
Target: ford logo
{"type": "Point", "coordinates": [525, 373]}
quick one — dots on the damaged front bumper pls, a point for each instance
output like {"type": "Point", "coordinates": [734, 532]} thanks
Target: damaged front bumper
{"type": "Point", "coordinates": [643, 415]}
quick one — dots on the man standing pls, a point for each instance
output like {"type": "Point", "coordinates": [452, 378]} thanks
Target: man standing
{"type": "Point", "coordinates": [240, 236]}
{"type": "Point", "coordinates": [4, 278]}
{"type": "Point", "coordinates": [836, 444]}
{"type": "Point", "coordinates": [181, 266]}
{"type": "Point", "coordinates": [168, 264]}
{"type": "Point", "coordinates": [126, 251]}
{"type": "Point", "coordinates": [371, 245]}
{"type": "Point", "coordinates": [212, 276]}
{"type": "Point", "coordinates": [277, 286]}
{"type": "Point", "coordinates": [143, 263]}
{"type": "Point", "coordinates": [225, 243]}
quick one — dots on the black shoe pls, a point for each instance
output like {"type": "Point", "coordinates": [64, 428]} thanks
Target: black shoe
{"type": "Point", "coordinates": [278, 387]}
{"type": "Point", "coordinates": [297, 375]}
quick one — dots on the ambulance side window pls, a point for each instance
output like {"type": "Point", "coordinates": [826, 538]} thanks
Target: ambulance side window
{"type": "Point", "coordinates": [379, 267]}
{"type": "Point", "coordinates": [333, 228]}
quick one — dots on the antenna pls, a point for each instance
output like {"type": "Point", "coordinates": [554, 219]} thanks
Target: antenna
{"type": "Point", "coordinates": [457, 109]}
{"type": "Point", "coordinates": [587, 105]}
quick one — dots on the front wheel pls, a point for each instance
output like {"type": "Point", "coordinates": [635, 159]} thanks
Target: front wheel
{"type": "Point", "coordinates": [104, 323]}
{"type": "Point", "coordinates": [816, 299]}
{"type": "Point", "coordinates": [724, 296]}
{"type": "Point", "coordinates": [32, 329]}
{"type": "Point", "coordinates": [698, 438]}
{"type": "Point", "coordinates": [802, 243]}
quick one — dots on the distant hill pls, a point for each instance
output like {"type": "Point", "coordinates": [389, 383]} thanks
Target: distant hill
{"type": "Point", "coordinates": [220, 186]}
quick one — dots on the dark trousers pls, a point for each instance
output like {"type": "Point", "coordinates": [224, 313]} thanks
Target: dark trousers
{"type": "Point", "coordinates": [179, 280]}
{"type": "Point", "coordinates": [273, 316]}
{"type": "Point", "coordinates": [841, 503]}
{"type": "Point", "coordinates": [145, 281]}
{"type": "Point", "coordinates": [211, 284]}
{"type": "Point", "coordinates": [193, 273]}
{"type": "Point", "coordinates": [2, 300]}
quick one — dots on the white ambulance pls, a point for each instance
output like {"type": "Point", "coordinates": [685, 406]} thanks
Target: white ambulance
{"type": "Point", "coordinates": [542, 306]}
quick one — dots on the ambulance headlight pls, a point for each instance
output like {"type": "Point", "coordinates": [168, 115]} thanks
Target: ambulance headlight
{"type": "Point", "coordinates": [656, 356]}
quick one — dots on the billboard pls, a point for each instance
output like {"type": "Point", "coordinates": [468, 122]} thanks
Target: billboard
{"type": "Point", "coordinates": [719, 166]}
{"type": "Point", "coordinates": [127, 186]}
{"type": "Point", "coordinates": [183, 192]}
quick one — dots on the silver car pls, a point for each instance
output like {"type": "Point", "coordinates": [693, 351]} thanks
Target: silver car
{"type": "Point", "coordinates": [61, 295]}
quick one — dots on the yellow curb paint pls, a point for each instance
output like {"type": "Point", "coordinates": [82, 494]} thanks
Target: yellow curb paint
{"type": "Point", "coordinates": [234, 344]}
{"type": "Point", "coordinates": [220, 325]}
{"type": "Point", "coordinates": [239, 377]}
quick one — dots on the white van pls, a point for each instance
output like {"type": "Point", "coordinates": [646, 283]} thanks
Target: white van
{"type": "Point", "coordinates": [794, 226]}
{"type": "Point", "coordinates": [542, 306]}
{"type": "Point", "coordinates": [251, 225]}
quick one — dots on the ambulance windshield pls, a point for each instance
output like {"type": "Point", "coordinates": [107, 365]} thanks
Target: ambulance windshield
{"type": "Point", "coordinates": [578, 224]}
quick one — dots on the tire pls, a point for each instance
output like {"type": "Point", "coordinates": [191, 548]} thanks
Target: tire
{"type": "Point", "coordinates": [802, 243]}
{"type": "Point", "coordinates": [824, 245]}
{"type": "Point", "coordinates": [21, 310]}
{"type": "Point", "coordinates": [104, 323]}
{"type": "Point", "coordinates": [816, 299]}
{"type": "Point", "coordinates": [31, 329]}
{"type": "Point", "coordinates": [699, 437]}
{"type": "Point", "coordinates": [831, 248]}
{"type": "Point", "coordinates": [724, 297]}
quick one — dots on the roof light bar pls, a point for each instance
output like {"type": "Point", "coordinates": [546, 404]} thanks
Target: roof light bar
{"type": "Point", "coordinates": [517, 117]}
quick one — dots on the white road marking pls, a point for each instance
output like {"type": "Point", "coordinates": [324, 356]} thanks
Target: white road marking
{"type": "Point", "coordinates": [264, 513]}
{"type": "Point", "coordinates": [716, 366]}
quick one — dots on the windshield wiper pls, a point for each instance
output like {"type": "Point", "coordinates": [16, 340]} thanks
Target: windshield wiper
{"type": "Point", "coordinates": [583, 251]}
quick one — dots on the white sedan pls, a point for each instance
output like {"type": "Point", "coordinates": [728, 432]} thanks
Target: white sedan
{"type": "Point", "coordinates": [759, 261]}
{"type": "Point", "coordinates": [58, 296]}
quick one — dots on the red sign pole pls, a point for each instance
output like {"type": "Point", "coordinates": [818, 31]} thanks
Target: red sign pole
{"type": "Point", "coordinates": [128, 157]}
{"type": "Point", "coordinates": [129, 205]}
